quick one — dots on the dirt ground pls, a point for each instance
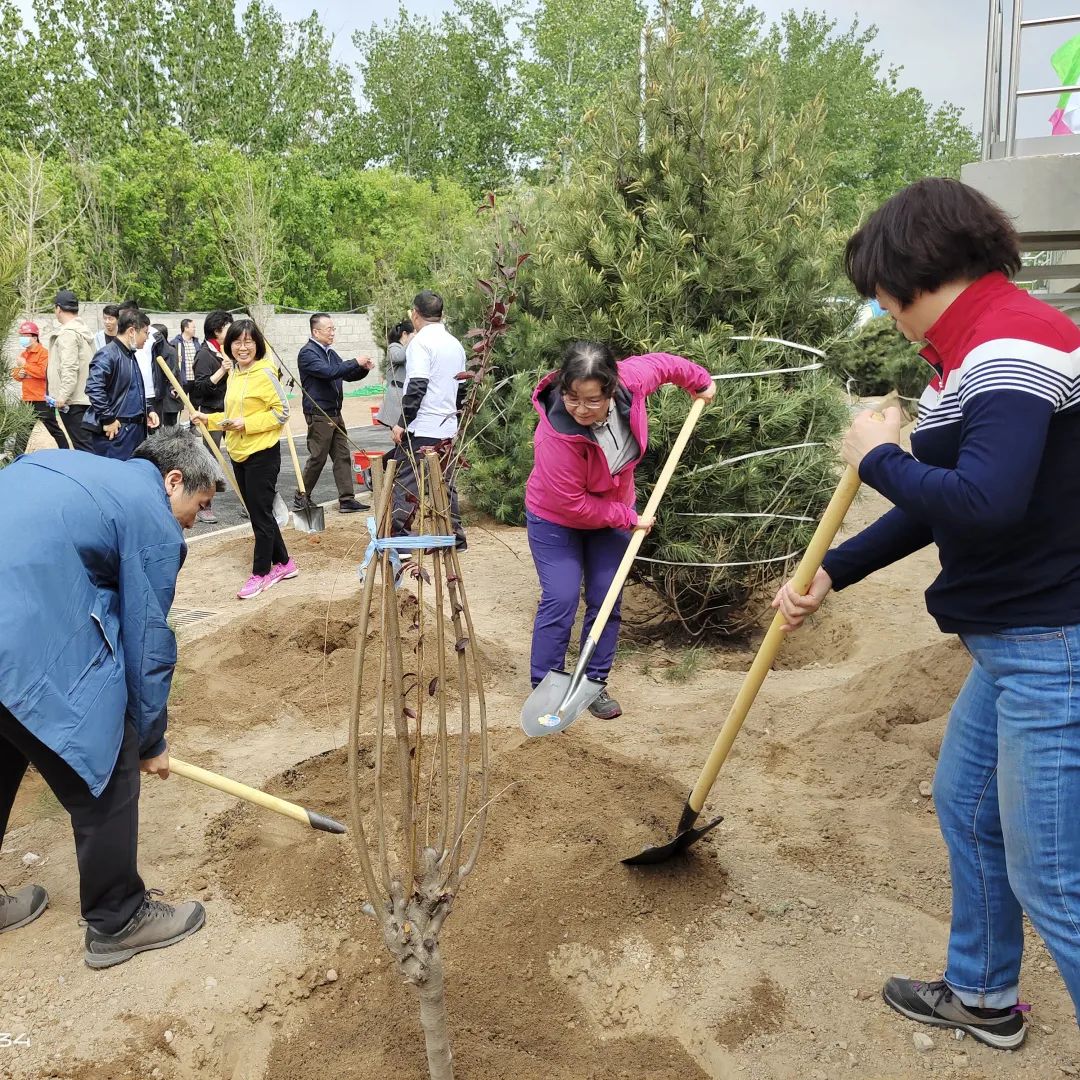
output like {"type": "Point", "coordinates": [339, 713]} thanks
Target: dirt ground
{"type": "Point", "coordinates": [761, 957]}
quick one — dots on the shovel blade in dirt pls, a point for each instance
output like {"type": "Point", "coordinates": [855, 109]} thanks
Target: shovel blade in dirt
{"type": "Point", "coordinates": [311, 519]}
{"type": "Point", "coordinates": [686, 835]}
{"type": "Point", "coordinates": [557, 702]}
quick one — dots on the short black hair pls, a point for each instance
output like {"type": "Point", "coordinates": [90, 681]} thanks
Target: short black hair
{"type": "Point", "coordinates": [144, 320]}
{"type": "Point", "coordinates": [589, 360]}
{"type": "Point", "coordinates": [429, 304]}
{"type": "Point", "coordinates": [399, 331]}
{"type": "Point", "coordinates": [128, 305]}
{"type": "Point", "coordinates": [935, 232]}
{"type": "Point", "coordinates": [316, 318]}
{"type": "Point", "coordinates": [215, 322]}
{"type": "Point", "coordinates": [237, 330]}
{"type": "Point", "coordinates": [128, 318]}
{"type": "Point", "coordinates": [112, 310]}
{"type": "Point", "coordinates": [184, 324]}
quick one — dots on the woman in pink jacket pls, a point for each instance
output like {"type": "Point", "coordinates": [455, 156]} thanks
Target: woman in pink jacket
{"type": "Point", "coordinates": [580, 495]}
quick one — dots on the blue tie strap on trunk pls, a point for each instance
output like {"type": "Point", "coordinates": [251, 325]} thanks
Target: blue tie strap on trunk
{"type": "Point", "coordinates": [394, 544]}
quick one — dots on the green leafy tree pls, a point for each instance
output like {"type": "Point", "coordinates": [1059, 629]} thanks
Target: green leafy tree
{"type": "Point", "coordinates": [576, 50]}
{"type": "Point", "coordinates": [718, 226]}
{"type": "Point", "coordinates": [20, 78]}
{"type": "Point", "coordinates": [881, 136]}
{"type": "Point", "coordinates": [442, 98]}
{"type": "Point", "coordinates": [106, 83]}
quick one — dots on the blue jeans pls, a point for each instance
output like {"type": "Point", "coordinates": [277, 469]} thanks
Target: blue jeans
{"type": "Point", "coordinates": [564, 557]}
{"type": "Point", "coordinates": [1007, 792]}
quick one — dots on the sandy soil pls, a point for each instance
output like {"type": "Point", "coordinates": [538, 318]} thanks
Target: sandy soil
{"type": "Point", "coordinates": [761, 957]}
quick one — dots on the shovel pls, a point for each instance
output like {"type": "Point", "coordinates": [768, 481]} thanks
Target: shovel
{"type": "Point", "coordinates": [213, 446]}
{"type": "Point", "coordinates": [312, 519]}
{"type": "Point", "coordinates": [253, 795]}
{"type": "Point", "coordinates": [561, 698]}
{"type": "Point", "coordinates": [687, 833]}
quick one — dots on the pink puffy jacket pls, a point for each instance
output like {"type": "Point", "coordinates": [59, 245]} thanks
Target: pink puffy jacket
{"type": "Point", "coordinates": [570, 483]}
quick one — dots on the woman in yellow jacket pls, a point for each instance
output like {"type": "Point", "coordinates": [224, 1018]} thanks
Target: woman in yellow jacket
{"type": "Point", "coordinates": [256, 410]}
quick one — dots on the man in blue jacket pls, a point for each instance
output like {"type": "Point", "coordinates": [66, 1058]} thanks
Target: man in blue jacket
{"type": "Point", "coordinates": [118, 415]}
{"type": "Point", "coordinates": [86, 660]}
{"type": "Point", "coordinates": [322, 372]}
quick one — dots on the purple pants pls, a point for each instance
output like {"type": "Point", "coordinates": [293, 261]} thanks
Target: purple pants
{"type": "Point", "coordinates": [564, 557]}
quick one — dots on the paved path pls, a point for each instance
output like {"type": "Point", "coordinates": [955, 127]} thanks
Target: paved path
{"type": "Point", "coordinates": [227, 506]}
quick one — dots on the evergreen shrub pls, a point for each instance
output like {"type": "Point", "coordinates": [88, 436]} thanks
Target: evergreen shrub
{"type": "Point", "coordinates": [683, 223]}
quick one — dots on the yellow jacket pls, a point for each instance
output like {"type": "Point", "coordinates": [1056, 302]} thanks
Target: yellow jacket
{"type": "Point", "coordinates": [256, 395]}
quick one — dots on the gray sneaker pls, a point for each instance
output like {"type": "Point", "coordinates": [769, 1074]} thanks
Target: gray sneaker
{"type": "Point", "coordinates": [605, 707]}
{"type": "Point", "coordinates": [934, 1003]}
{"type": "Point", "coordinates": [155, 925]}
{"type": "Point", "coordinates": [21, 908]}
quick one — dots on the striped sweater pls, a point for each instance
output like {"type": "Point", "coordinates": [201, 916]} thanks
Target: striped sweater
{"type": "Point", "coordinates": [993, 477]}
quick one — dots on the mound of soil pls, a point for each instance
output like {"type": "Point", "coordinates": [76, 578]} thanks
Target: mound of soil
{"type": "Point", "coordinates": [549, 879]}
{"type": "Point", "coordinates": [293, 656]}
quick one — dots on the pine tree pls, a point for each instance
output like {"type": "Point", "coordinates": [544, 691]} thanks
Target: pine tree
{"type": "Point", "coordinates": [16, 419]}
{"type": "Point", "coordinates": [696, 212]}
{"type": "Point", "coordinates": [879, 359]}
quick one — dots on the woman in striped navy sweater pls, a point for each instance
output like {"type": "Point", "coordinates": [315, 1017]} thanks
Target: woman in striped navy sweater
{"type": "Point", "coordinates": [993, 479]}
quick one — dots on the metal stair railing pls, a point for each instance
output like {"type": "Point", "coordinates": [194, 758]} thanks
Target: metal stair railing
{"type": "Point", "coordinates": [991, 132]}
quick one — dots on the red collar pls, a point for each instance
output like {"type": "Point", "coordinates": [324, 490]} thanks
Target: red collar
{"type": "Point", "coordinates": [947, 337]}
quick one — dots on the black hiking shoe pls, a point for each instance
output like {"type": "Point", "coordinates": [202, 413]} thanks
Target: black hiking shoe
{"type": "Point", "coordinates": [18, 909]}
{"type": "Point", "coordinates": [934, 1003]}
{"type": "Point", "coordinates": [605, 707]}
{"type": "Point", "coordinates": [155, 925]}
{"type": "Point", "coordinates": [351, 506]}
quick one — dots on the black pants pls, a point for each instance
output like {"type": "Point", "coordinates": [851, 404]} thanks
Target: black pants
{"type": "Point", "coordinates": [407, 490]}
{"type": "Point", "coordinates": [327, 438]}
{"type": "Point", "coordinates": [73, 421]}
{"type": "Point", "coordinates": [169, 419]}
{"type": "Point", "coordinates": [106, 828]}
{"type": "Point", "coordinates": [256, 477]}
{"type": "Point", "coordinates": [47, 416]}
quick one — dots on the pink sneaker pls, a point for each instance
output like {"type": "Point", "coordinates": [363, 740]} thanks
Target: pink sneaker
{"type": "Point", "coordinates": [281, 571]}
{"type": "Point", "coordinates": [253, 586]}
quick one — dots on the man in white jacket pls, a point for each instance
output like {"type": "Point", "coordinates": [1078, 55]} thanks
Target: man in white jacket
{"type": "Point", "coordinates": [430, 403]}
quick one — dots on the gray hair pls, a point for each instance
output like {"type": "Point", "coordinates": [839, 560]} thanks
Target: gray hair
{"type": "Point", "coordinates": [172, 448]}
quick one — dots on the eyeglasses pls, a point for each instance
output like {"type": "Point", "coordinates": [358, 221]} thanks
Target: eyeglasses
{"type": "Point", "coordinates": [572, 402]}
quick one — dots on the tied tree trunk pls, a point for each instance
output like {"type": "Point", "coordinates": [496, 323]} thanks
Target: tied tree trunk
{"type": "Point", "coordinates": [416, 862]}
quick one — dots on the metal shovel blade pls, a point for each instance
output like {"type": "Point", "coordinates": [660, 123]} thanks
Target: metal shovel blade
{"type": "Point", "coordinates": [281, 511]}
{"type": "Point", "coordinates": [312, 519]}
{"type": "Point", "coordinates": [686, 835]}
{"type": "Point", "coordinates": [553, 706]}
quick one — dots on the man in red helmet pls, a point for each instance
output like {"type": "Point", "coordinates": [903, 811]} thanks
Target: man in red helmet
{"type": "Point", "coordinates": [30, 372]}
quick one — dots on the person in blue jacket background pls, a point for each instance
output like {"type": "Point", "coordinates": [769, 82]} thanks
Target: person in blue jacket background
{"type": "Point", "coordinates": [322, 372]}
{"type": "Point", "coordinates": [86, 661]}
{"type": "Point", "coordinates": [118, 416]}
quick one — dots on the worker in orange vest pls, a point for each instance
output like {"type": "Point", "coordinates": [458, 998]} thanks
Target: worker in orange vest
{"type": "Point", "coordinates": [30, 372]}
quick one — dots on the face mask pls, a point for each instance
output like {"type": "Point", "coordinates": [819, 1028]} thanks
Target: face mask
{"type": "Point", "coordinates": [24, 341]}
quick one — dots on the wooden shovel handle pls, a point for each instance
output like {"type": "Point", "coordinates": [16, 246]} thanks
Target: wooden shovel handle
{"type": "Point", "coordinates": [295, 460]}
{"type": "Point", "coordinates": [638, 535]}
{"type": "Point", "coordinates": [63, 428]}
{"type": "Point", "coordinates": [809, 565]}
{"type": "Point", "coordinates": [202, 428]}
{"type": "Point", "coordinates": [238, 790]}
